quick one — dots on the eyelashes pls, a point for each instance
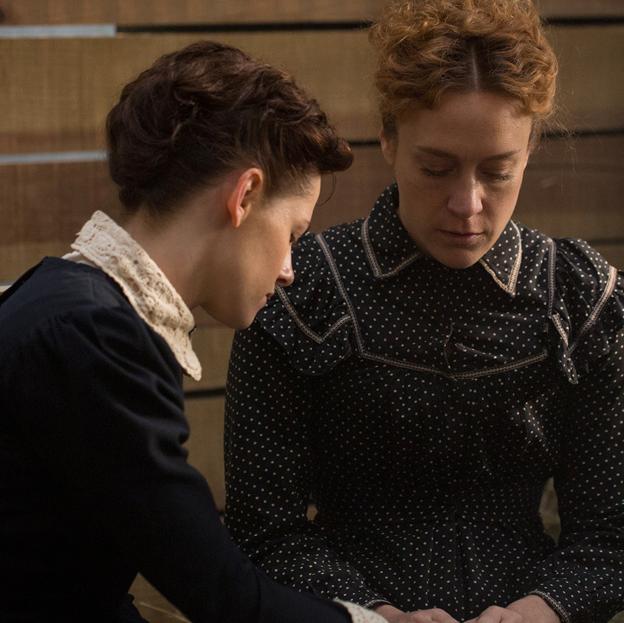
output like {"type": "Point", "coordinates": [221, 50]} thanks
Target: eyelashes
{"type": "Point", "coordinates": [294, 241]}
{"type": "Point", "coordinates": [490, 175]}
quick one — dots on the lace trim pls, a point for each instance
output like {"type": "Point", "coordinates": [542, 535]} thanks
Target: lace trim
{"type": "Point", "coordinates": [361, 615]}
{"type": "Point", "coordinates": [102, 243]}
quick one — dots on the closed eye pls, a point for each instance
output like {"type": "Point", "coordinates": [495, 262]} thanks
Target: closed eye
{"type": "Point", "coordinates": [436, 172]}
{"type": "Point", "coordinates": [295, 240]}
{"type": "Point", "coordinates": [498, 177]}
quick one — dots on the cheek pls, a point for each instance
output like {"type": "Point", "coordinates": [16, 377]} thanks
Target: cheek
{"type": "Point", "coordinates": [276, 248]}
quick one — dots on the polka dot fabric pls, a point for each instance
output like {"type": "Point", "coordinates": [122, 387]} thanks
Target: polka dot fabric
{"type": "Point", "coordinates": [423, 408]}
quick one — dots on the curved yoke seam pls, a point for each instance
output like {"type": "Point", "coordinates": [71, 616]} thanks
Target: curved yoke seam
{"type": "Point", "coordinates": [315, 337]}
{"type": "Point", "coordinates": [406, 364]}
{"type": "Point", "coordinates": [593, 317]}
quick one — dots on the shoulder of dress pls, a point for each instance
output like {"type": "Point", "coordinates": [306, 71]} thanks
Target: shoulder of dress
{"type": "Point", "coordinates": [588, 302]}
{"type": "Point", "coordinates": [581, 269]}
{"type": "Point", "coordinates": [57, 288]}
{"type": "Point", "coordinates": [310, 318]}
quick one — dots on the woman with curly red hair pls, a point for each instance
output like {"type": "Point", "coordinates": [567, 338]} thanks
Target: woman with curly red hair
{"type": "Point", "coordinates": [435, 363]}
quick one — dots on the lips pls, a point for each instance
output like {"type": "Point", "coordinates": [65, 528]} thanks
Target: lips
{"type": "Point", "coordinates": [470, 239]}
{"type": "Point", "coordinates": [461, 233]}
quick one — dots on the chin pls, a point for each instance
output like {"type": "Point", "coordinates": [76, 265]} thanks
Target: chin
{"type": "Point", "coordinates": [238, 320]}
{"type": "Point", "coordinates": [457, 260]}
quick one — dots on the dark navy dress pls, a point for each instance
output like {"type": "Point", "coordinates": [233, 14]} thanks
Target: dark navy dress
{"type": "Point", "coordinates": [94, 482]}
{"type": "Point", "coordinates": [423, 409]}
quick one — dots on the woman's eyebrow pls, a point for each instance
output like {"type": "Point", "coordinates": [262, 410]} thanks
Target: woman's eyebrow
{"type": "Point", "coordinates": [445, 154]}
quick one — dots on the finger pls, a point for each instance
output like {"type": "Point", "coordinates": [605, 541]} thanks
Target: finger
{"type": "Point", "coordinates": [423, 616]}
{"type": "Point", "coordinates": [419, 617]}
{"type": "Point", "coordinates": [500, 615]}
{"type": "Point", "coordinates": [440, 616]}
{"type": "Point", "coordinates": [493, 614]}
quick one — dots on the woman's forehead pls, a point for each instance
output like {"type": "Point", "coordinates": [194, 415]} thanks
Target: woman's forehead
{"type": "Point", "coordinates": [484, 123]}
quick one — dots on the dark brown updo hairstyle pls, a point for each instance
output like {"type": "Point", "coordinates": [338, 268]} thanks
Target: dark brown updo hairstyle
{"type": "Point", "coordinates": [206, 110]}
{"type": "Point", "coordinates": [426, 48]}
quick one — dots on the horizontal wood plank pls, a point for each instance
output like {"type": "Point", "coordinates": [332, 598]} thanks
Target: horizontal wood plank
{"type": "Point", "coordinates": [571, 188]}
{"type": "Point", "coordinates": [580, 8]}
{"type": "Point", "coordinates": [614, 254]}
{"type": "Point", "coordinates": [59, 91]}
{"type": "Point", "coordinates": [141, 12]}
{"type": "Point", "coordinates": [591, 78]}
{"type": "Point", "coordinates": [205, 444]}
{"type": "Point", "coordinates": [212, 343]}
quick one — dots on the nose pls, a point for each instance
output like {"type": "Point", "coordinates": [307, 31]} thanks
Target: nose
{"type": "Point", "coordinates": [465, 200]}
{"type": "Point", "coordinates": [287, 274]}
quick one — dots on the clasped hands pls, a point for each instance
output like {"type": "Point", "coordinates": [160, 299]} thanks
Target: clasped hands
{"type": "Point", "coordinates": [530, 609]}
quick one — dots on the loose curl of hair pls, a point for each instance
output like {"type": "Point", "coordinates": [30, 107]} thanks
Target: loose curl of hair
{"type": "Point", "coordinates": [206, 110]}
{"type": "Point", "coordinates": [426, 48]}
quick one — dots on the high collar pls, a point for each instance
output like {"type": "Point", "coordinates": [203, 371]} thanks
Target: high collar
{"type": "Point", "coordinates": [389, 248]}
{"type": "Point", "coordinates": [102, 243]}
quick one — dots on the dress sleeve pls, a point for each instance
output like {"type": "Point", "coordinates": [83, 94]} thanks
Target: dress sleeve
{"type": "Point", "coordinates": [269, 467]}
{"type": "Point", "coordinates": [583, 581]}
{"type": "Point", "coordinates": [105, 419]}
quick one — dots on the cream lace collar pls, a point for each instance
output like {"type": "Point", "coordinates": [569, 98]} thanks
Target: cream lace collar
{"type": "Point", "coordinates": [105, 245]}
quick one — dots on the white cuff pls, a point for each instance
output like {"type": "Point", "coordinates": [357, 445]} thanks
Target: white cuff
{"type": "Point", "coordinates": [361, 615]}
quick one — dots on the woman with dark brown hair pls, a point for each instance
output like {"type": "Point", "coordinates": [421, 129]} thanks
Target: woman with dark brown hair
{"type": "Point", "coordinates": [218, 159]}
{"type": "Point", "coordinates": [436, 363]}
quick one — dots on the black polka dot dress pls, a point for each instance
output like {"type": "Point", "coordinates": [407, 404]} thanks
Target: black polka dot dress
{"type": "Point", "coordinates": [423, 408]}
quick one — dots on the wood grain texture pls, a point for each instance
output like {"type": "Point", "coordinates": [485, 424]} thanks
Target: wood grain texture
{"type": "Point", "coordinates": [205, 444]}
{"type": "Point", "coordinates": [212, 342]}
{"type": "Point", "coordinates": [571, 188]}
{"type": "Point", "coordinates": [580, 8]}
{"type": "Point", "coordinates": [42, 207]}
{"type": "Point", "coordinates": [591, 78]}
{"type": "Point", "coordinates": [22, 12]}
{"type": "Point", "coordinates": [144, 12]}
{"type": "Point", "coordinates": [58, 91]}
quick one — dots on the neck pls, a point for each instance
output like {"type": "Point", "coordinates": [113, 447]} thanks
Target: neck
{"type": "Point", "coordinates": [178, 245]}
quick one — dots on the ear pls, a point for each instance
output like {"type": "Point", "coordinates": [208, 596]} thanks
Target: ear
{"type": "Point", "coordinates": [244, 194]}
{"type": "Point", "coordinates": [388, 146]}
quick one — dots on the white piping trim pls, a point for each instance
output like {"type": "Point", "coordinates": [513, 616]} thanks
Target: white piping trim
{"type": "Point", "coordinates": [406, 364]}
{"type": "Point", "coordinates": [608, 291]}
{"type": "Point", "coordinates": [372, 258]}
{"type": "Point", "coordinates": [510, 287]}
{"type": "Point", "coordinates": [315, 337]}
{"type": "Point", "coordinates": [556, 319]}
{"type": "Point", "coordinates": [332, 265]}
{"type": "Point", "coordinates": [552, 256]}
{"type": "Point", "coordinates": [555, 605]}
{"type": "Point", "coordinates": [460, 376]}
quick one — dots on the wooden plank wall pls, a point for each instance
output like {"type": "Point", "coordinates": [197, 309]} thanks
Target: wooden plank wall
{"type": "Point", "coordinates": [58, 89]}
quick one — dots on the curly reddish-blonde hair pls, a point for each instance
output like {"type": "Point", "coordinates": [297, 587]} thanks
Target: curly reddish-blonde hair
{"type": "Point", "coordinates": [426, 48]}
